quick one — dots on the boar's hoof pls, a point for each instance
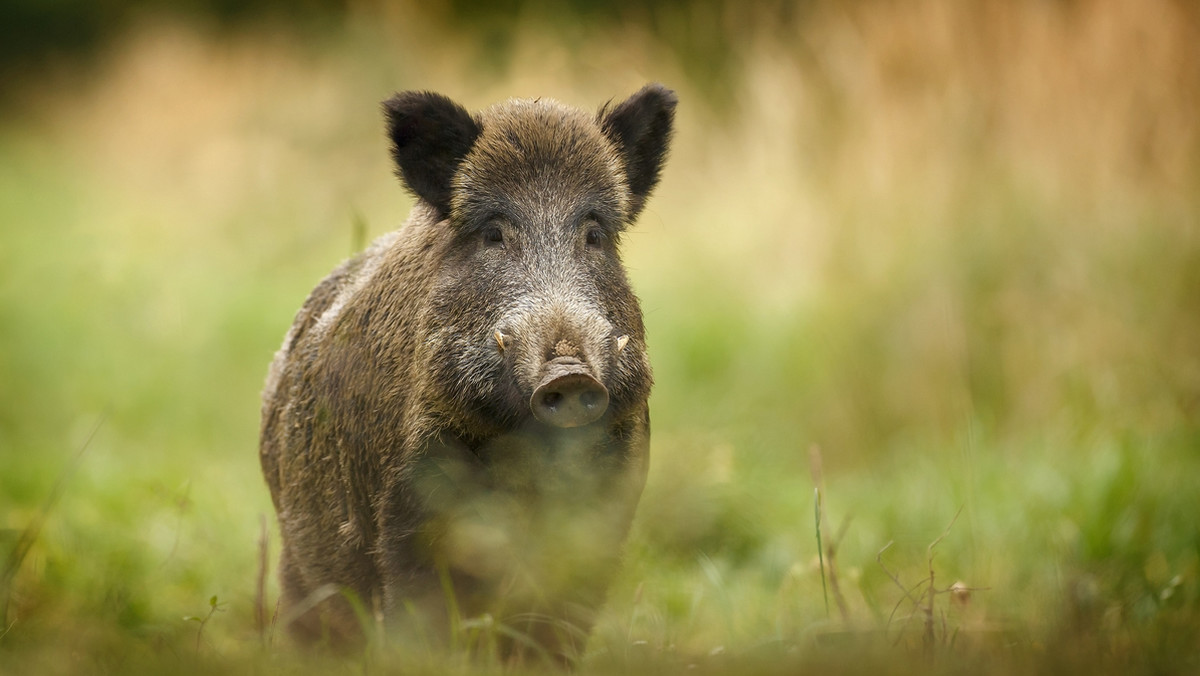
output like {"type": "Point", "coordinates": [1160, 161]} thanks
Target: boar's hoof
{"type": "Point", "coordinates": [570, 400]}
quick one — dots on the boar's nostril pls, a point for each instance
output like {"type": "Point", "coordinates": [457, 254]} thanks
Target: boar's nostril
{"type": "Point", "coordinates": [570, 400]}
{"type": "Point", "coordinates": [590, 399]}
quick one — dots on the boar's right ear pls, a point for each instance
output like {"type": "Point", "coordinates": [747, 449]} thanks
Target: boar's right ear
{"type": "Point", "coordinates": [430, 136]}
{"type": "Point", "coordinates": [641, 129]}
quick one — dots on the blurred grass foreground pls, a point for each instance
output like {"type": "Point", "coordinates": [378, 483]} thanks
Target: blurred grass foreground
{"type": "Point", "coordinates": [947, 251]}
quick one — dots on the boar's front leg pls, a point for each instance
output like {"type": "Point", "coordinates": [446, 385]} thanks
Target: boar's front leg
{"type": "Point", "coordinates": [413, 554]}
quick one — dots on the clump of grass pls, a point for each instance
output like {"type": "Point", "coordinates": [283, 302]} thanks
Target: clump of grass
{"type": "Point", "coordinates": [922, 596]}
{"type": "Point", "coordinates": [33, 529]}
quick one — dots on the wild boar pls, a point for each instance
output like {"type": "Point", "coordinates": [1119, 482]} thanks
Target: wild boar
{"type": "Point", "coordinates": [457, 422]}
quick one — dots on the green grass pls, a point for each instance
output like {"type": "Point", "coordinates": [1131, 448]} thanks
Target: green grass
{"type": "Point", "coordinates": [971, 302]}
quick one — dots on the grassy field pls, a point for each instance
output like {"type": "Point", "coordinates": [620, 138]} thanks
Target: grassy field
{"type": "Point", "coordinates": [950, 249]}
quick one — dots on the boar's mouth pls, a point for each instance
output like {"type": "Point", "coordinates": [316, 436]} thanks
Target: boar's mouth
{"type": "Point", "coordinates": [568, 395]}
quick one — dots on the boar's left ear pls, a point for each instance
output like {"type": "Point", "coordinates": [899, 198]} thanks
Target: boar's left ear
{"type": "Point", "coordinates": [430, 137]}
{"type": "Point", "coordinates": [641, 129]}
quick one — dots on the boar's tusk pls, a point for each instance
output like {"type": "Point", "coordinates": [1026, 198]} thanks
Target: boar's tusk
{"type": "Point", "coordinates": [500, 338]}
{"type": "Point", "coordinates": [621, 343]}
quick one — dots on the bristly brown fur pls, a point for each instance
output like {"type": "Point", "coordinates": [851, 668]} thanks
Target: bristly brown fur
{"type": "Point", "coordinates": [397, 437]}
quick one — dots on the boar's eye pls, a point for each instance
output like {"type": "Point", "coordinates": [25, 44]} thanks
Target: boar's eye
{"type": "Point", "coordinates": [595, 235]}
{"type": "Point", "coordinates": [493, 236]}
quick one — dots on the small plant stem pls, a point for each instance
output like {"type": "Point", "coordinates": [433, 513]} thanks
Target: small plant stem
{"type": "Point", "coordinates": [831, 554]}
{"type": "Point", "coordinates": [213, 606]}
{"type": "Point", "coordinates": [820, 549]}
{"type": "Point", "coordinates": [931, 593]}
{"type": "Point", "coordinates": [260, 596]}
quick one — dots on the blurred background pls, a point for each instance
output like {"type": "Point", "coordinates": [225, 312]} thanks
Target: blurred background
{"type": "Point", "coordinates": [950, 247]}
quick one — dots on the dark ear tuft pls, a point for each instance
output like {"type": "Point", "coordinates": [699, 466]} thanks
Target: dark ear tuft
{"type": "Point", "coordinates": [641, 129]}
{"type": "Point", "coordinates": [430, 137]}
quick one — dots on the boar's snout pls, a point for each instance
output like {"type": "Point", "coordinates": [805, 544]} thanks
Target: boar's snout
{"type": "Point", "coordinates": [568, 395]}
